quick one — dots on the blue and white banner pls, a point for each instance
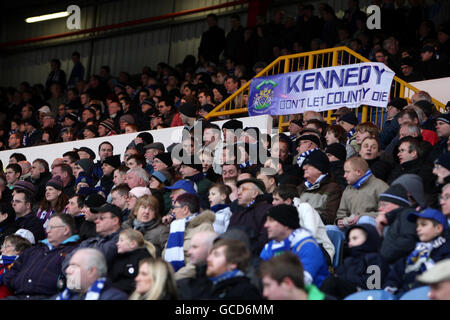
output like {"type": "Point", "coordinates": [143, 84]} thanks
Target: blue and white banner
{"type": "Point", "coordinates": [321, 89]}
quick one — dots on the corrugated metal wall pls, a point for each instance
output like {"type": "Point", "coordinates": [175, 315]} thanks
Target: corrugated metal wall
{"type": "Point", "coordinates": [125, 52]}
{"type": "Point", "coordinates": [128, 52]}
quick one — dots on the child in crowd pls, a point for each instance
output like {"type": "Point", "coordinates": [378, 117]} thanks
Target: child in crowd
{"type": "Point", "coordinates": [354, 273]}
{"type": "Point", "coordinates": [219, 202]}
{"type": "Point", "coordinates": [433, 246]}
{"type": "Point", "coordinates": [131, 249]}
{"type": "Point", "coordinates": [11, 248]}
{"type": "Point", "coordinates": [83, 181]}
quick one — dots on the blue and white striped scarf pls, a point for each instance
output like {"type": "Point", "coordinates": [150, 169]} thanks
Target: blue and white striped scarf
{"type": "Point", "coordinates": [226, 275]}
{"type": "Point", "coordinates": [363, 179]}
{"type": "Point", "coordinates": [316, 183]}
{"type": "Point", "coordinates": [419, 260]}
{"type": "Point", "coordinates": [278, 247]}
{"type": "Point", "coordinates": [92, 294]}
{"type": "Point", "coordinates": [174, 251]}
{"type": "Point", "coordinates": [304, 155]}
{"type": "Point", "coordinates": [350, 135]}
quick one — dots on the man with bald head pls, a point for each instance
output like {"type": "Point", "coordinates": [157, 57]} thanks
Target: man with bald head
{"type": "Point", "coordinates": [198, 286]}
{"type": "Point", "coordinates": [360, 197]}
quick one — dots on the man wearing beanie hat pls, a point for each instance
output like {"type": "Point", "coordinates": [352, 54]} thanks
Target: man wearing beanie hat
{"type": "Point", "coordinates": [162, 161]}
{"type": "Point", "coordinates": [188, 114]}
{"type": "Point", "coordinates": [85, 165]}
{"type": "Point", "coordinates": [307, 143]}
{"type": "Point", "coordinates": [430, 66]}
{"type": "Point", "coordinates": [106, 128]}
{"type": "Point", "coordinates": [109, 165]}
{"type": "Point", "coordinates": [393, 208]}
{"type": "Point", "coordinates": [349, 121]}
{"type": "Point", "coordinates": [295, 126]}
{"type": "Point", "coordinates": [337, 154]}
{"type": "Point", "coordinates": [87, 228]}
{"type": "Point", "coordinates": [32, 134]}
{"type": "Point", "coordinates": [319, 189]}
{"type": "Point", "coordinates": [409, 74]}
{"type": "Point", "coordinates": [285, 234]}
{"type": "Point", "coordinates": [432, 246]}
{"type": "Point", "coordinates": [192, 170]}
{"type": "Point", "coordinates": [443, 132]}
{"type": "Point", "coordinates": [442, 169]}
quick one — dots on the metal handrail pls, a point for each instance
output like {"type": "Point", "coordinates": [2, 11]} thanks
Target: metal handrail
{"type": "Point", "coordinates": [236, 102]}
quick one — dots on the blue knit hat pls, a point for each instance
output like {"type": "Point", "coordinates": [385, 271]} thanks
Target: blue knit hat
{"type": "Point", "coordinates": [84, 177]}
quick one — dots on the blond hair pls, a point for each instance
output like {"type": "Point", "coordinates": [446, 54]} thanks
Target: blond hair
{"type": "Point", "coordinates": [135, 235]}
{"type": "Point", "coordinates": [163, 281]}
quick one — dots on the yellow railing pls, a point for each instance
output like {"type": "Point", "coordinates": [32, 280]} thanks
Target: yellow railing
{"type": "Point", "coordinates": [237, 103]}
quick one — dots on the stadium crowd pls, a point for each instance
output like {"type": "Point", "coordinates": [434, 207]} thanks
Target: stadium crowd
{"type": "Point", "coordinates": [229, 213]}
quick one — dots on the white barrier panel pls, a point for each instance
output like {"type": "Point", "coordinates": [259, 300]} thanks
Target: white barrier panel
{"type": "Point", "coordinates": [166, 136]}
{"type": "Point", "coordinates": [437, 88]}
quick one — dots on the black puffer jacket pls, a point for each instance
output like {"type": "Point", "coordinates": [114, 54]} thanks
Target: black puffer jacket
{"type": "Point", "coordinates": [125, 268]}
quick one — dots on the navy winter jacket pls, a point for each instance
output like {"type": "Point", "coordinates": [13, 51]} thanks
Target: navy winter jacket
{"type": "Point", "coordinates": [354, 266]}
{"type": "Point", "coordinates": [37, 269]}
{"type": "Point", "coordinates": [404, 281]}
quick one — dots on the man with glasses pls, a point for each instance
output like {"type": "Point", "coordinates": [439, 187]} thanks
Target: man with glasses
{"type": "Point", "coordinates": [188, 221]}
{"type": "Point", "coordinates": [108, 226]}
{"type": "Point", "coordinates": [25, 218]}
{"type": "Point", "coordinates": [252, 215]}
{"type": "Point", "coordinates": [35, 274]}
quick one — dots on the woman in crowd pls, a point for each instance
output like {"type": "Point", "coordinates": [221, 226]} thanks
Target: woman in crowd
{"type": "Point", "coordinates": [146, 218]}
{"type": "Point", "coordinates": [54, 201]}
{"type": "Point", "coordinates": [155, 281]}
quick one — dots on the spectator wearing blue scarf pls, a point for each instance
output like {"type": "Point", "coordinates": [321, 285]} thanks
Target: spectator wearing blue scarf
{"type": "Point", "coordinates": [285, 234]}
{"type": "Point", "coordinates": [359, 201]}
{"type": "Point", "coordinates": [227, 263]}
